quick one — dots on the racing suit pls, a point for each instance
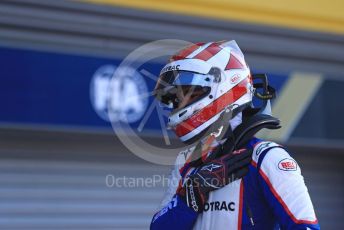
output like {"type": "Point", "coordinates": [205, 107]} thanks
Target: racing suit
{"type": "Point", "coordinates": [272, 195]}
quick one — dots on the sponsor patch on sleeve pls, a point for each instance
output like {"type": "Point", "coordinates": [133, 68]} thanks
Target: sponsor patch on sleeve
{"type": "Point", "coordinates": [287, 164]}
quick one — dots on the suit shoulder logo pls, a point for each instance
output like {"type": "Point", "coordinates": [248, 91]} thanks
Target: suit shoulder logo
{"type": "Point", "coordinates": [287, 164]}
{"type": "Point", "coordinates": [263, 146]}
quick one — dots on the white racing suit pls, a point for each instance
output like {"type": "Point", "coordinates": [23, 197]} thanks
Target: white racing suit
{"type": "Point", "coordinates": [272, 195]}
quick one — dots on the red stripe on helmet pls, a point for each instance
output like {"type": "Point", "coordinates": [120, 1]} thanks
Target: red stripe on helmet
{"type": "Point", "coordinates": [212, 109]}
{"type": "Point", "coordinates": [186, 52]}
{"type": "Point", "coordinates": [209, 52]}
{"type": "Point", "coordinates": [234, 63]}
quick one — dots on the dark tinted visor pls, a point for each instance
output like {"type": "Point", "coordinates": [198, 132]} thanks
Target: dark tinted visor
{"type": "Point", "coordinates": [181, 88]}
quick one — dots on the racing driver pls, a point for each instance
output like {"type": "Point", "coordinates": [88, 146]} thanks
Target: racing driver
{"type": "Point", "coordinates": [227, 178]}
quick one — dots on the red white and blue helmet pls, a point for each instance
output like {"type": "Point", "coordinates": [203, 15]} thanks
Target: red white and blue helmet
{"type": "Point", "coordinates": [213, 76]}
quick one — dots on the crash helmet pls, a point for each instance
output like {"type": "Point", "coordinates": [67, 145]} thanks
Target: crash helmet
{"type": "Point", "coordinates": [199, 83]}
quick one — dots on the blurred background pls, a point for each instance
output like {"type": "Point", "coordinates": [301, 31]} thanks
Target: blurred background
{"type": "Point", "coordinates": [58, 152]}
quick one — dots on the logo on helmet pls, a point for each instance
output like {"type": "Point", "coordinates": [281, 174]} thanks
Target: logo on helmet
{"type": "Point", "coordinates": [170, 68]}
{"type": "Point", "coordinates": [235, 78]}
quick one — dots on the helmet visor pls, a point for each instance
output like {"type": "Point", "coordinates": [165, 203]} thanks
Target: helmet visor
{"type": "Point", "coordinates": [178, 89]}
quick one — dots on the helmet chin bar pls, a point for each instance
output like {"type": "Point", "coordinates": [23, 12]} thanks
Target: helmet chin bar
{"type": "Point", "coordinates": [221, 129]}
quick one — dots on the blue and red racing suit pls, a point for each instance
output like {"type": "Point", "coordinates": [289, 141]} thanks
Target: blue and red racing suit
{"type": "Point", "coordinates": [272, 195]}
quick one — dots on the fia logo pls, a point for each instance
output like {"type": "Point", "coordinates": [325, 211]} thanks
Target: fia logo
{"type": "Point", "coordinates": [118, 97]}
